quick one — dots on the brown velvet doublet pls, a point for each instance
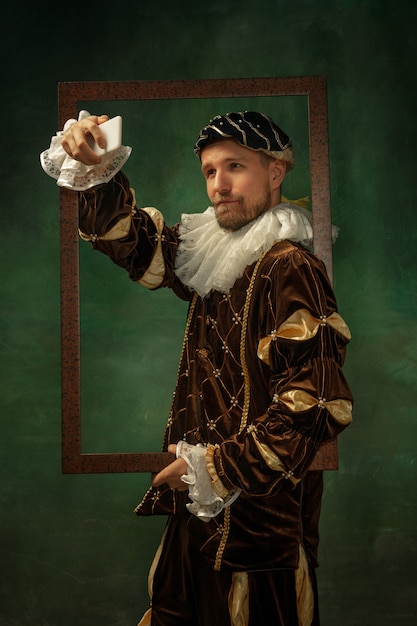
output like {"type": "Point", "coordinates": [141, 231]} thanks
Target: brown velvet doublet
{"type": "Point", "coordinates": [260, 382]}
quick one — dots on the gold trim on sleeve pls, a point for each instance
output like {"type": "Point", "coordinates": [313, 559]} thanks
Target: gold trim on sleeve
{"type": "Point", "coordinates": [263, 349]}
{"type": "Point", "coordinates": [273, 461]}
{"type": "Point", "coordinates": [118, 231]}
{"type": "Point", "coordinates": [297, 400]}
{"type": "Point", "coordinates": [216, 483]}
{"type": "Point", "coordinates": [155, 273]}
{"type": "Point", "coordinates": [301, 326]}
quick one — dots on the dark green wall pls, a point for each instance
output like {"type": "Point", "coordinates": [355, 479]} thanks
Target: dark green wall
{"type": "Point", "coordinates": [71, 551]}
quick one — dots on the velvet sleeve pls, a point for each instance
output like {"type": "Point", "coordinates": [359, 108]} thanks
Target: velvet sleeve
{"type": "Point", "coordinates": [300, 345]}
{"type": "Point", "coordinates": [136, 239]}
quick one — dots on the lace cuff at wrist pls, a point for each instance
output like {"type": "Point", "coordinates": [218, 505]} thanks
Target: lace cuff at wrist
{"type": "Point", "coordinates": [205, 502]}
{"type": "Point", "coordinates": [75, 175]}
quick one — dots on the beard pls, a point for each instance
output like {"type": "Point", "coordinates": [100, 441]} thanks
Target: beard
{"type": "Point", "coordinates": [238, 213]}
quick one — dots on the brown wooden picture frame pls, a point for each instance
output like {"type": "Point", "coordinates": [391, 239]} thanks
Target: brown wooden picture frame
{"type": "Point", "coordinates": [74, 461]}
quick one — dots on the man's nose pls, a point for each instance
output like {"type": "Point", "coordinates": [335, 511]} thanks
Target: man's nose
{"type": "Point", "coordinates": [222, 183]}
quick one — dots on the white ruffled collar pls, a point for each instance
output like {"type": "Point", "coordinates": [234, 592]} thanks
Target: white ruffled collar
{"type": "Point", "coordinates": [210, 258]}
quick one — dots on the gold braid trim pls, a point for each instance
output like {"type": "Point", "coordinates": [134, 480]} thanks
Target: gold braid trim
{"type": "Point", "coordinates": [223, 540]}
{"type": "Point", "coordinates": [245, 411]}
{"type": "Point", "coordinates": [246, 401]}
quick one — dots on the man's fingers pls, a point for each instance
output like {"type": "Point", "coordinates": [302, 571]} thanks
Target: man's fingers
{"type": "Point", "coordinates": [80, 137]}
{"type": "Point", "coordinates": [171, 475]}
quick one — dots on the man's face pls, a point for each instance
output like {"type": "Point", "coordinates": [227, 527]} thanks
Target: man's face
{"type": "Point", "coordinates": [240, 186]}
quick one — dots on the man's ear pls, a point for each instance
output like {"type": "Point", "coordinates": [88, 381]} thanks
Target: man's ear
{"type": "Point", "coordinates": [277, 172]}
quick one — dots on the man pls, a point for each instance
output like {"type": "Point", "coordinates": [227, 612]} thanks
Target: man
{"type": "Point", "coordinates": [259, 386]}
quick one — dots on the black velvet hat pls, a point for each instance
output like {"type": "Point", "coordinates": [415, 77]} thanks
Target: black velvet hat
{"type": "Point", "coordinates": [252, 130]}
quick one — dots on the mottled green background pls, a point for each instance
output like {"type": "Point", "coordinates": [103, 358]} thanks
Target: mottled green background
{"type": "Point", "coordinates": [71, 550]}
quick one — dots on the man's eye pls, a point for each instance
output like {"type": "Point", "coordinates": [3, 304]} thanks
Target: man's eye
{"type": "Point", "coordinates": [235, 165]}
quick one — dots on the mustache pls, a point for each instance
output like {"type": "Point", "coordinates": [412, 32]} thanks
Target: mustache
{"type": "Point", "coordinates": [224, 198]}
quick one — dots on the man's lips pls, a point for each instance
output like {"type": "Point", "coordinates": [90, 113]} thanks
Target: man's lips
{"type": "Point", "coordinates": [225, 201]}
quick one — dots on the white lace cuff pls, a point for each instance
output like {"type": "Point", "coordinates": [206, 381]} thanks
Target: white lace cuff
{"type": "Point", "coordinates": [74, 175]}
{"type": "Point", "coordinates": [205, 502]}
